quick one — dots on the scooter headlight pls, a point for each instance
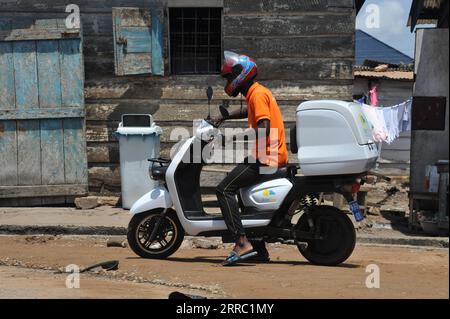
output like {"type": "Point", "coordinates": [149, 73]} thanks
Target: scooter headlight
{"type": "Point", "coordinates": [150, 168]}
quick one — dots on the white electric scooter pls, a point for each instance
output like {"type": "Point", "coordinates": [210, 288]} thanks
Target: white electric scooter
{"type": "Point", "coordinates": [280, 207]}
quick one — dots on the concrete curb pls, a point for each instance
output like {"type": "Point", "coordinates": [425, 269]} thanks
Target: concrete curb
{"type": "Point", "coordinates": [438, 242]}
{"type": "Point", "coordinates": [62, 230]}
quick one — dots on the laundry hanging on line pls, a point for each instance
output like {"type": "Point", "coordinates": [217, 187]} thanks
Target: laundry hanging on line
{"type": "Point", "coordinates": [388, 122]}
{"type": "Point", "coordinates": [373, 96]}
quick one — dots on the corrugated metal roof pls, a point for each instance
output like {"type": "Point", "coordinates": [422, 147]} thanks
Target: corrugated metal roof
{"type": "Point", "coordinates": [389, 75]}
{"type": "Point", "coordinates": [428, 12]}
{"type": "Point", "coordinates": [370, 48]}
{"type": "Point", "coordinates": [432, 4]}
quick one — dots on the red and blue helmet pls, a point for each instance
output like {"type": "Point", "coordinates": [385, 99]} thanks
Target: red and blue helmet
{"type": "Point", "coordinates": [238, 70]}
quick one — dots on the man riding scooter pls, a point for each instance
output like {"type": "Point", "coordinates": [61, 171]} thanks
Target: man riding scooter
{"type": "Point", "coordinates": [264, 119]}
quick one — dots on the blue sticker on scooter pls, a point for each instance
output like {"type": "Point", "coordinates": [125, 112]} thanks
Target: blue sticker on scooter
{"type": "Point", "coordinates": [354, 207]}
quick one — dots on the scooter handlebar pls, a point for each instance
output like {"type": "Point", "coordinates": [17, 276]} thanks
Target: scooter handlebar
{"type": "Point", "coordinates": [208, 120]}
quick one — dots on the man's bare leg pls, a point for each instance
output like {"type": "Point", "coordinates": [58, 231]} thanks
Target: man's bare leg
{"type": "Point", "coordinates": [242, 246]}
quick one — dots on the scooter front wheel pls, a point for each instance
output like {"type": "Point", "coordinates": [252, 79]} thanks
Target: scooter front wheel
{"type": "Point", "coordinates": [155, 235]}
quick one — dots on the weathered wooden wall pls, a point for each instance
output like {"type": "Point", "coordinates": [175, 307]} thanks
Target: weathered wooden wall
{"type": "Point", "coordinates": [304, 50]}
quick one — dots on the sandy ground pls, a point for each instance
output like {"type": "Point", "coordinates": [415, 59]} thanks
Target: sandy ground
{"type": "Point", "coordinates": [20, 283]}
{"type": "Point", "coordinates": [404, 272]}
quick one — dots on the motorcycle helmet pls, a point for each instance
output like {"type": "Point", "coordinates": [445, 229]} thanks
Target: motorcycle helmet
{"type": "Point", "coordinates": [238, 70]}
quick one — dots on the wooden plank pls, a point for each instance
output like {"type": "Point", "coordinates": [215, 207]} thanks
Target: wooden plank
{"type": "Point", "coordinates": [97, 67]}
{"type": "Point", "coordinates": [98, 47]}
{"type": "Point", "coordinates": [7, 91]}
{"type": "Point", "coordinates": [195, 3]}
{"type": "Point", "coordinates": [134, 26]}
{"type": "Point", "coordinates": [45, 113]}
{"type": "Point", "coordinates": [157, 42]}
{"type": "Point", "coordinates": [137, 63]}
{"type": "Point", "coordinates": [118, 47]}
{"type": "Point", "coordinates": [49, 74]}
{"type": "Point", "coordinates": [8, 153]}
{"type": "Point", "coordinates": [293, 47]}
{"type": "Point", "coordinates": [21, 202]}
{"type": "Point", "coordinates": [50, 99]}
{"type": "Point", "coordinates": [166, 112]}
{"type": "Point", "coordinates": [23, 35]}
{"type": "Point", "coordinates": [137, 39]}
{"type": "Point", "coordinates": [75, 162]}
{"type": "Point", "coordinates": [103, 153]}
{"type": "Point", "coordinates": [5, 23]}
{"type": "Point", "coordinates": [98, 24]}
{"type": "Point", "coordinates": [55, 200]}
{"type": "Point", "coordinates": [42, 190]}
{"type": "Point", "coordinates": [193, 88]}
{"type": "Point", "coordinates": [113, 110]}
{"type": "Point", "coordinates": [30, 27]}
{"type": "Point", "coordinates": [33, 24]}
{"type": "Point", "coordinates": [133, 17]}
{"type": "Point", "coordinates": [25, 71]}
{"type": "Point", "coordinates": [306, 69]}
{"type": "Point", "coordinates": [105, 177]}
{"type": "Point", "coordinates": [26, 87]}
{"type": "Point", "coordinates": [101, 132]}
{"type": "Point", "coordinates": [72, 77]}
{"type": "Point", "coordinates": [52, 152]}
{"type": "Point", "coordinates": [305, 25]}
{"type": "Point", "coordinates": [286, 6]}
{"type": "Point", "coordinates": [29, 152]}
{"type": "Point", "coordinates": [86, 6]}
{"type": "Point", "coordinates": [290, 91]}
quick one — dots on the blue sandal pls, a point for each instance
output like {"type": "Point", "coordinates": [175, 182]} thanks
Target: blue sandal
{"type": "Point", "coordinates": [234, 258]}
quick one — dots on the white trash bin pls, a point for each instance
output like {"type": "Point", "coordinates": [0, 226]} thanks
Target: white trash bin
{"type": "Point", "coordinates": [139, 140]}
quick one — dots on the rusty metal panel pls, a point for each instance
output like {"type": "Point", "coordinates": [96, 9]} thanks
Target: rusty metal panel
{"type": "Point", "coordinates": [428, 113]}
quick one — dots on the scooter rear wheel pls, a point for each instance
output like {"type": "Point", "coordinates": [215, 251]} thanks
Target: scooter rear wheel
{"type": "Point", "coordinates": [166, 230]}
{"type": "Point", "coordinates": [337, 232]}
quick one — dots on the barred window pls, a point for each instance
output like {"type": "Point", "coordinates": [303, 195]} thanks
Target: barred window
{"type": "Point", "coordinates": [195, 40]}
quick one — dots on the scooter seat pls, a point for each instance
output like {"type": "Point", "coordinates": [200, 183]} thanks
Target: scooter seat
{"type": "Point", "coordinates": [282, 172]}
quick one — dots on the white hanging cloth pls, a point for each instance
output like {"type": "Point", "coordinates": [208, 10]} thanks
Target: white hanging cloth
{"type": "Point", "coordinates": [379, 131]}
{"type": "Point", "coordinates": [388, 122]}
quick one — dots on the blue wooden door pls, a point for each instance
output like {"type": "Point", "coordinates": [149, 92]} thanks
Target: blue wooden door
{"type": "Point", "coordinates": [42, 126]}
{"type": "Point", "coordinates": [138, 41]}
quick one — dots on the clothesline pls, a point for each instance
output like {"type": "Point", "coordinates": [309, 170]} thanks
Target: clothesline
{"type": "Point", "coordinates": [388, 122]}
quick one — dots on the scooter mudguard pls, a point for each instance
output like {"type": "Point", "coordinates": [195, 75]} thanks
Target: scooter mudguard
{"type": "Point", "coordinates": [158, 197]}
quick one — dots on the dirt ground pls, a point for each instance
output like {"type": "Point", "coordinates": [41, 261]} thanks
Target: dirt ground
{"type": "Point", "coordinates": [19, 283]}
{"type": "Point", "coordinates": [28, 263]}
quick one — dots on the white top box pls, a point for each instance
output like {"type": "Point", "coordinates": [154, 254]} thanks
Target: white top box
{"type": "Point", "coordinates": [334, 138]}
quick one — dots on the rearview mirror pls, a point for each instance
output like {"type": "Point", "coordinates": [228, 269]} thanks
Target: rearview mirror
{"type": "Point", "coordinates": [209, 93]}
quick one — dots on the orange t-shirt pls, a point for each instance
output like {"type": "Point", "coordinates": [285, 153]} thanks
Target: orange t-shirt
{"type": "Point", "coordinates": [262, 105]}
